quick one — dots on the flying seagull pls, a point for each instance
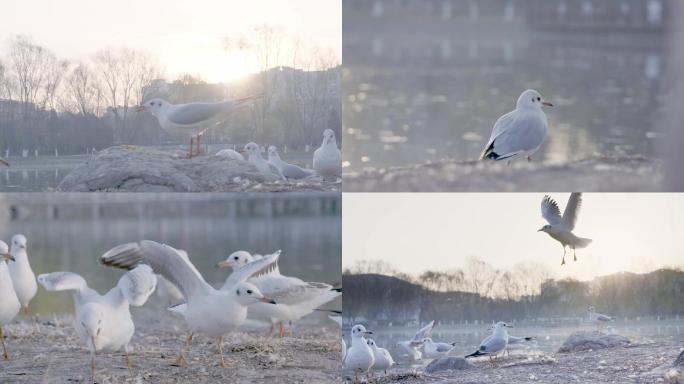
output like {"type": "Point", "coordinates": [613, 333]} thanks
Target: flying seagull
{"type": "Point", "coordinates": [521, 132]}
{"type": "Point", "coordinates": [560, 228]}
{"type": "Point", "coordinates": [193, 118]}
{"type": "Point", "coordinates": [207, 310]}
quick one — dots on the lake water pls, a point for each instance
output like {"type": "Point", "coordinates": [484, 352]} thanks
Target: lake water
{"type": "Point", "coordinates": [68, 232]}
{"type": "Point", "coordinates": [547, 339]}
{"type": "Point", "coordinates": [432, 87]}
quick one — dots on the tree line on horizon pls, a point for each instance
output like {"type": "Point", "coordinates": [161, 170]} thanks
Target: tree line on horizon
{"type": "Point", "coordinates": [49, 105]}
{"type": "Point", "coordinates": [375, 292]}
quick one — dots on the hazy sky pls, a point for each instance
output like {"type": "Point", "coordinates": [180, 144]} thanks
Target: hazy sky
{"type": "Point", "coordinates": [185, 36]}
{"type": "Point", "coordinates": [417, 232]}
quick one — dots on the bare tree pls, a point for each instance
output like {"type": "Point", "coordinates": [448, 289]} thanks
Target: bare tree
{"type": "Point", "coordinates": [28, 63]}
{"type": "Point", "coordinates": [83, 94]}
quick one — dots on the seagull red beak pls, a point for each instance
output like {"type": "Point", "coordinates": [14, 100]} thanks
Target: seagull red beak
{"type": "Point", "coordinates": [3, 162]}
{"type": "Point", "coordinates": [547, 104]}
{"type": "Point", "coordinates": [140, 108]}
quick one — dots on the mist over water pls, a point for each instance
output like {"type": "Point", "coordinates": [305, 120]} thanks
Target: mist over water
{"type": "Point", "coordinates": [433, 87]}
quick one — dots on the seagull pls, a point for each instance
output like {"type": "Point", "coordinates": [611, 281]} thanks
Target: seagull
{"type": "Point", "coordinates": [207, 310]}
{"type": "Point", "coordinates": [494, 343]}
{"type": "Point", "coordinates": [267, 169]}
{"type": "Point", "coordinates": [383, 359]}
{"type": "Point", "coordinates": [103, 322]}
{"type": "Point", "coordinates": [411, 346]}
{"type": "Point", "coordinates": [290, 171]}
{"type": "Point", "coordinates": [434, 350]}
{"type": "Point", "coordinates": [517, 341]}
{"type": "Point", "coordinates": [338, 320]}
{"type": "Point", "coordinates": [295, 298]}
{"type": "Point", "coordinates": [521, 132]}
{"type": "Point", "coordinates": [23, 279]}
{"type": "Point", "coordinates": [597, 318]}
{"type": "Point", "coordinates": [360, 356]}
{"type": "Point", "coordinates": [231, 154]}
{"type": "Point", "coordinates": [560, 228]}
{"type": "Point", "coordinates": [327, 159]}
{"type": "Point", "coordinates": [194, 118]}
{"type": "Point", "coordinates": [9, 303]}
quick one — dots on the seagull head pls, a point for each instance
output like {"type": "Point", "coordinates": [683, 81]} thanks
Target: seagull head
{"type": "Point", "coordinates": [329, 137]}
{"type": "Point", "coordinates": [359, 331]}
{"type": "Point", "coordinates": [252, 149]}
{"type": "Point", "coordinates": [19, 242]}
{"type": "Point", "coordinates": [591, 309]}
{"type": "Point", "coordinates": [546, 228]}
{"type": "Point", "coordinates": [236, 259]}
{"type": "Point", "coordinates": [4, 252]}
{"type": "Point", "coordinates": [371, 343]}
{"type": "Point", "coordinates": [154, 106]}
{"type": "Point", "coordinates": [273, 152]}
{"type": "Point", "coordinates": [502, 325]}
{"type": "Point", "coordinates": [427, 340]}
{"type": "Point", "coordinates": [532, 98]}
{"type": "Point", "coordinates": [248, 293]}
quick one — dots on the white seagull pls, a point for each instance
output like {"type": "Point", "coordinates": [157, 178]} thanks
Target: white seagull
{"type": "Point", "coordinates": [192, 118]}
{"type": "Point", "coordinates": [23, 279]}
{"type": "Point", "coordinates": [289, 171]}
{"type": "Point", "coordinates": [327, 159]}
{"type": "Point", "coordinates": [338, 320]}
{"type": "Point", "coordinates": [207, 310]}
{"type": "Point", "coordinates": [434, 350]}
{"type": "Point", "coordinates": [231, 154]}
{"type": "Point", "coordinates": [295, 298]}
{"type": "Point", "coordinates": [267, 169]}
{"type": "Point", "coordinates": [9, 303]}
{"type": "Point", "coordinates": [360, 356]}
{"type": "Point", "coordinates": [521, 132]}
{"type": "Point", "coordinates": [103, 322]}
{"type": "Point", "coordinates": [495, 343]}
{"type": "Point", "coordinates": [411, 347]}
{"type": "Point", "coordinates": [560, 228]}
{"type": "Point", "coordinates": [597, 318]}
{"type": "Point", "coordinates": [383, 359]}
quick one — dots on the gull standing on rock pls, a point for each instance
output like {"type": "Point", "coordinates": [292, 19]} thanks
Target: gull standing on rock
{"type": "Point", "coordinates": [207, 310]}
{"type": "Point", "coordinates": [295, 298]}
{"type": "Point", "coordinates": [327, 159]}
{"type": "Point", "coordinates": [521, 132]}
{"type": "Point", "coordinates": [267, 169]}
{"type": "Point", "coordinates": [597, 318]}
{"type": "Point", "coordinates": [289, 171]}
{"type": "Point", "coordinates": [560, 228]}
{"type": "Point", "coordinates": [23, 279]}
{"type": "Point", "coordinates": [192, 118]}
{"type": "Point", "coordinates": [383, 359]}
{"type": "Point", "coordinates": [434, 350]}
{"type": "Point", "coordinates": [360, 356]}
{"type": "Point", "coordinates": [411, 346]}
{"type": "Point", "coordinates": [9, 303]}
{"type": "Point", "coordinates": [495, 343]}
{"type": "Point", "coordinates": [103, 322]}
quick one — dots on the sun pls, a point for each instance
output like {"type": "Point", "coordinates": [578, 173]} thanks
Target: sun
{"type": "Point", "coordinates": [227, 68]}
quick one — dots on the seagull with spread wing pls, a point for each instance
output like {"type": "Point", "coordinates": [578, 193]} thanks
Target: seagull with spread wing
{"type": "Point", "coordinates": [206, 310]}
{"type": "Point", "coordinates": [561, 227]}
{"type": "Point", "coordinates": [103, 322]}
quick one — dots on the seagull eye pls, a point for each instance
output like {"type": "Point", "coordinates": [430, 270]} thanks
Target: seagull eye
{"type": "Point", "coordinates": [538, 98]}
{"type": "Point", "coordinates": [249, 291]}
{"type": "Point", "coordinates": [237, 258]}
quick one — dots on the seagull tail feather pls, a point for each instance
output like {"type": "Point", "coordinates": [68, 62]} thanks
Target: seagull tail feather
{"type": "Point", "coordinates": [583, 243]}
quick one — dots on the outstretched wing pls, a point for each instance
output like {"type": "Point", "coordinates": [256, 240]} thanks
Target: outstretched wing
{"type": "Point", "coordinates": [572, 210]}
{"type": "Point", "coordinates": [550, 210]}
{"type": "Point", "coordinates": [62, 281]}
{"type": "Point", "coordinates": [423, 332]}
{"type": "Point", "coordinates": [163, 259]}
{"type": "Point", "coordinates": [138, 284]}
{"type": "Point", "coordinates": [255, 268]}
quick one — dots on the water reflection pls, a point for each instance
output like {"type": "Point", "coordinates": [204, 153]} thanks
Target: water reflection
{"type": "Point", "coordinates": [68, 232]}
{"type": "Point", "coordinates": [434, 87]}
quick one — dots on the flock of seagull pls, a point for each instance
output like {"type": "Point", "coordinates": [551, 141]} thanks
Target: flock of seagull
{"type": "Point", "coordinates": [364, 355]}
{"type": "Point", "coordinates": [255, 289]}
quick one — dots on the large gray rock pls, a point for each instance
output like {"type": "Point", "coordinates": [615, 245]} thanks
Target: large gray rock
{"type": "Point", "coordinates": [582, 341]}
{"type": "Point", "coordinates": [144, 169]}
{"type": "Point", "coordinates": [448, 363]}
{"type": "Point", "coordinates": [679, 362]}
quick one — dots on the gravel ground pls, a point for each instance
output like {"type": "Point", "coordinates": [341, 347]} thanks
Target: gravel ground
{"type": "Point", "coordinates": [595, 174]}
{"type": "Point", "coordinates": [645, 362]}
{"type": "Point", "coordinates": [47, 350]}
